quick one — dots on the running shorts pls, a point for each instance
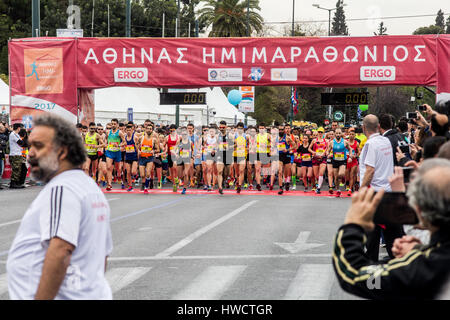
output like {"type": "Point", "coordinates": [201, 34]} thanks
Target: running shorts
{"type": "Point", "coordinates": [338, 163]}
{"type": "Point", "coordinates": [144, 160]}
{"type": "Point", "coordinates": [116, 156]}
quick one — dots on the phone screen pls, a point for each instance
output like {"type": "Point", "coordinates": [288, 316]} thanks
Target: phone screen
{"type": "Point", "coordinates": [411, 115]}
{"type": "Point", "coordinates": [394, 209]}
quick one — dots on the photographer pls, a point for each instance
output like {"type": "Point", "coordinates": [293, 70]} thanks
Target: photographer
{"type": "Point", "coordinates": [15, 156]}
{"type": "Point", "coordinates": [419, 271]}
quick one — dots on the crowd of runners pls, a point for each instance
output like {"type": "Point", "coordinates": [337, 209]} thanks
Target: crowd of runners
{"type": "Point", "coordinates": [223, 156]}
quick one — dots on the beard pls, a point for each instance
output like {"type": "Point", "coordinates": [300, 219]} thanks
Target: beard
{"type": "Point", "coordinates": [45, 168]}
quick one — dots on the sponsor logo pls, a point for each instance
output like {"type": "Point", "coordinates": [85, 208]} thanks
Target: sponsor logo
{"type": "Point", "coordinates": [43, 71]}
{"type": "Point", "coordinates": [377, 73]}
{"type": "Point", "coordinates": [283, 74]}
{"type": "Point", "coordinates": [256, 73]}
{"type": "Point", "coordinates": [130, 74]}
{"type": "Point", "coordinates": [228, 74]}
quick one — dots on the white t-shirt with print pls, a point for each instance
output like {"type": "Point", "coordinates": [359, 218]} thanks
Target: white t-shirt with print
{"type": "Point", "coordinates": [73, 208]}
{"type": "Point", "coordinates": [377, 153]}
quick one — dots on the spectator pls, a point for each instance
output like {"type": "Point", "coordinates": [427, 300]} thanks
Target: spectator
{"type": "Point", "coordinates": [396, 139]}
{"type": "Point", "coordinates": [376, 166]}
{"type": "Point", "coordinates": [444, 151]}
{"type": "Point", "coordinates": [422, 270]}
{"type": "Point", "coordinates": [402, 127]}
{"type": "Point", "coordinates": [52, 255]}
{"type": "Point", "coordinates": [432, 145]}
{"type": "Point", "coordinates": [15, 156]}
{"type": "Point", "coordinates": [4, 135]}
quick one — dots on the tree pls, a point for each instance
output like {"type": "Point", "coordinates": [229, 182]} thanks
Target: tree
{"type": "Point", "coordinates": [440, 20]}
{"type": "Point", "coordinates": [381, 30]}
{"type": "Point", "coordinates": [228, 18]}
{"type": "Point", "coordinates": [339, 26]}
{"type": "Point", "coordinates": [432, 29]}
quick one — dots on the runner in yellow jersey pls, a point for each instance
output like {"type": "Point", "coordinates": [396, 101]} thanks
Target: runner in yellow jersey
{"type": "Point", "coordinates": [240, 155]}
{"type": "Point", "coordinates": [262, 153]}
{"type": "Point", "coordinates": [92, 142]}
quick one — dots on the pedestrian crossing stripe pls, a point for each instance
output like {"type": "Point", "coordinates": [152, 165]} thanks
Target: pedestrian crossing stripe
{"type": "Point", "coordinates": [312, 282]}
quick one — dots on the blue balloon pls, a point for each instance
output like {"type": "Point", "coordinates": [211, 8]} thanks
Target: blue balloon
{"type": "Point", "coordinates": [234, 97]}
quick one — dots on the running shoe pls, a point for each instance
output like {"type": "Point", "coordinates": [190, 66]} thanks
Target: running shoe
{"type": "Point", "coordinates": [338, 193]}
{"type": "Point", "coordinates": [142, 187]}
{"type": "Point", "coordinates": [294, 187]}
{"type": "Point", "coordinates": [258, 187]}
{"type": "Point", "coordinates": [313, 189]}
{"type": "Point", "coordinates": [331, 190]}
{"type": "Point", "coordinates": [175, 187]}
{"type": "Point", "coordinates": [250, 187]}
{"type": "Point", "coordinates": [281, 191]}
{"type": "Point", "coordinates": [184, 191]}
{"type": "Point", "coordinates": [123, 186]}
{"type": "Point", "coordinates": [130, 188]}
{"type": "Point", "coordinates": [306, 190]}
{"type": "Point", "coordinates": [205, 187]}
{"type": "Point", "coordinates": [104, 184]}
{"type": "Point", "coordinates": [192, 184]}
{"type": "Point", "coordinates": [271, 187]}
{"type": "Point", "coordinates": [318, 191]}
{"type": "Point", "coordinates": [238, 189]}
{"type": "Point", "coordinates": [108, 188]}
{"type": "Point", "coordinates": [245, 185]}
{"type": "Point", "coordinates": [231, 183]}
{"type": "Point", "coordinates": [286, 185]}
{"type": "Point", "coordinates": [349, 193]}
{"type": "Point", "coordinates": [347, 189]}
{"type": "Point", "coordinates": [151, 184]}
{"type": "Point", "coordinates": [159, 185]}
{"type": "Point", "coordinates": [341, 185]}
{"type": "Point", "coordinates": [221, 191]}
{"type": "Point", "coordinates": [145, 190]}
{"type": "Point", "coordinates": [209, 188]}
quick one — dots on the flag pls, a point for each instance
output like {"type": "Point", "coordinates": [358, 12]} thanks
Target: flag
{"type": "Point", "coordinates": [294, 100]}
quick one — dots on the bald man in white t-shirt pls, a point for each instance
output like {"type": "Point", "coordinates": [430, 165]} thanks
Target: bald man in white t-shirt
{"type": "Point", "coordinates": [64, 238]}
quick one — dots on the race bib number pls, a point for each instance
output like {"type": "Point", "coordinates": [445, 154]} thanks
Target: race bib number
{"type": "Point", "coordinates": [240, 151]}
{"type": "Point", "coordinates": [339, 156]}
{"type": "Point", "coordinates": [281, 147]}
{"type": "Point", "coordinates": [209, 149]}
{"type": "Point", "coordinates": [320, 152]}
{"type": "Point", "coordinates": [146, 149]}
{"type": "Point", "coordinates": [113, 147]}
{"type": "Point", "coordinates": [130, 149]}
{"type": "Point", "coordinates": [184, 153]}
{"type": "Point", "coordinates": [91, 148]}
{"type": "Point", "coordinates": [306, 157]}
{"type": "Point", "coordinates": [223, 146]}
{"type": "Point", "coordinates": [298, 156]}
{"type": "Point", "coordinates": [263, 147]}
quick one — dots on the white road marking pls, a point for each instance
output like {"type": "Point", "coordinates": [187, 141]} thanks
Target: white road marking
{"type": "Point", "coordinates": [119, 278]}
{"type": "Point", "coordinates": [211, 284]}
{"type": "Point", "coordinates": [203, 230]}
{"type": "Point", "coordinates": [3, 284]}
{"type": "Point", "coordinates": [9, 223]}
{"type": "Point", "coordinates": [299, 244]}
{"type": "Point", "coordinates": [256, 256]}
{"type": "Point", "coordinates": [312, 282]}
{"type": "Point", "coordinates": [112, 199]}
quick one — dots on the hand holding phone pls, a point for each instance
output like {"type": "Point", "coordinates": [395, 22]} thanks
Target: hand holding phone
{"type": "Point", "coordinates": [411, 115]}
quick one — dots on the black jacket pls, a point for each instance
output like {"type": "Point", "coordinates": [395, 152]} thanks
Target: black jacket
{"type": "Point", "coordinates": [398, 140]}
{"type": "Point", "coordinates": [4, 138]}
{"type": "Point", "coordinates": [420, 274]}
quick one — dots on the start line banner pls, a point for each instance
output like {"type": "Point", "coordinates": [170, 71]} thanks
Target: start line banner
{"type": "Point", "coordinates": [50, 70]}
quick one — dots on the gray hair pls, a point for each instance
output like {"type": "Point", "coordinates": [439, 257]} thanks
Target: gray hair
{"type": "Point", "coordinates": [432, 195]}
{"type": "Point", "coordinates": [66, 135]}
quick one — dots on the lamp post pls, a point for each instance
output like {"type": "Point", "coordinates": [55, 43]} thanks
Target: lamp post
{"type": "Point", "coordinates": [35, 18]}
{"type": "Point", "coordinates": [291, 112]}
{"type": "Point", "coordinates": [329, 14]}
{"type": "Point", "coordinates": [330, 108]}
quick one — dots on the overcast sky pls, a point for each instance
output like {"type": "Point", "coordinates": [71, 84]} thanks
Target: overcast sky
{"type": "Point", "coordinates": [281, 11]}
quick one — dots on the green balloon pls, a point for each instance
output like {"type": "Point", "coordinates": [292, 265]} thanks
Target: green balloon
{"type": "Point", "coordinates": [363, 107]}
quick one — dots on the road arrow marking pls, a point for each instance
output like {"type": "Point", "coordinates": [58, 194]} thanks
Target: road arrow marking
{"type": "Point", "coordinates": [299, 244]}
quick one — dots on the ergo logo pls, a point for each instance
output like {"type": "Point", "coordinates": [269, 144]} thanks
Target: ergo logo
{"type": "Point", "coordinates": [130, 75]}
{"type": "Point", "coordinates": [377, 73]}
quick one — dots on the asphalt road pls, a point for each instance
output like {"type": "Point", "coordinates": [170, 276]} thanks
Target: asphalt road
{"type": "Point", "coordinates": [171, 246]}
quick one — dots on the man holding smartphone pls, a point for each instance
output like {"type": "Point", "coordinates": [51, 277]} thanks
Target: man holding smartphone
{"type": "Point", "coordinates": [419, 272]}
